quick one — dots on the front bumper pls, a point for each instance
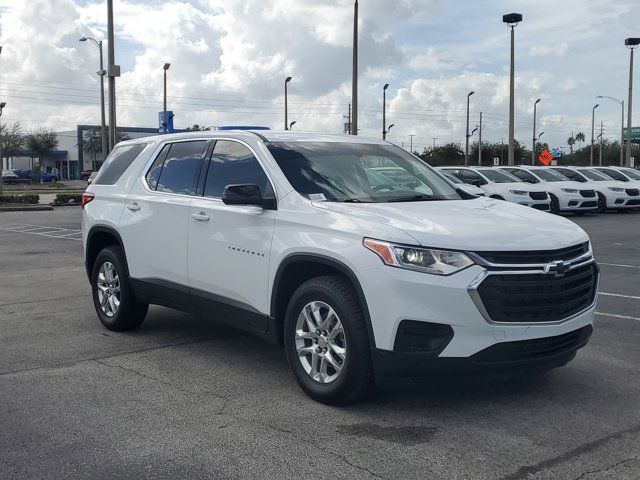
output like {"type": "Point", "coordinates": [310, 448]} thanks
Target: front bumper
{"type": "Point", "coordinates": [395, 295]}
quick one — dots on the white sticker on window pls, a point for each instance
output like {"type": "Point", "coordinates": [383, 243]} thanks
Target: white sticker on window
{"type": "Point", "coordinates": [318, 197]}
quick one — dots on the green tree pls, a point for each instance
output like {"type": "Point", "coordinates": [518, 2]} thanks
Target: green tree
{"type": "Point", "coordinates": [12, 139]}
{"type": "Point", "coordinates": [40, 142]}
{"type": "Point", "coordinates": [197, 128]}
{"type": "Point", "coordinates": [571, 141]}
{"type": "Point", "coordinates": [92, 144]}
{"type": "Point", "coordinates": [580, 138]}
{"type": "Point", "coordinates": [448, 154]}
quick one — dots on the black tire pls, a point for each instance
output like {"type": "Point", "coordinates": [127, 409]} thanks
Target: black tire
{"type": "Point", "coordinates": [554, 205]}
{"type": "Point", "coordinates": [602, 203]}
{"type": "Point", "coordinates": [129, 314]}
{"type": "Point", "coordinates": [356, 377]}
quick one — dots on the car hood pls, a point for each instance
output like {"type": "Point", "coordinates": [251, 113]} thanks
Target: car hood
{"type": "Point", "coordinates": [480, 224]}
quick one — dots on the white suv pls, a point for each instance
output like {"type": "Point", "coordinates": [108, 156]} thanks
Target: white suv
{"type": "Point", "coordinates": [287, 236]}
{"type": "Point", "coordinates": [502, 185]}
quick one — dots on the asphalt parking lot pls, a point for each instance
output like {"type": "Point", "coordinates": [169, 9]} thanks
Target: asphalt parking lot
{"type": "Point", "coordinates": [186, 398]}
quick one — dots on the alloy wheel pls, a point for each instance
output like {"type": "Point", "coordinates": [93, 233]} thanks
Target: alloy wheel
{"type": "Point", "coordinates": [320, 342]}
{"type": "Point", "coordinates": [108, 284]}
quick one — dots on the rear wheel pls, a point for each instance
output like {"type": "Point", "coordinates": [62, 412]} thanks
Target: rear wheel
{"type": "Point", "coordinates": [554, 205]}
{"type": "Point", "coordinates": [113, 299]}
{"type": "Point", "coordinates": [326, 341]}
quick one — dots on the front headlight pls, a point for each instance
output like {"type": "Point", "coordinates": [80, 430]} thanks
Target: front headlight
{"type": "Point", "coordinates": [569, 190]}
{"type": "Point", "coordinates": [437, 262]}
{"type": "Point", "coordinates": [519, 192]}
{"type": "Point", "coordinates": [616, 189]}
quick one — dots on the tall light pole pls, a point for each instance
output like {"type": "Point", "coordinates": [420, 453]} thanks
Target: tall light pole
{"type": "Point", "coordinates": [384, 111]}
{"type": "Point", "coordinates": [533, 147]}
{"type": "Point", "coordinates": [2, 105]}
{"type": "Point", "coordinates": [354, 80]}
{"type": "Point", "coordinates": [292, 124]}
{"type": "Point", "coordinates": [621, 103]}
{"type": "Point", "coordinates": [286, 103]}
{"type": "Point", "coordinates": [512, 19]}
{"type": "Point", "coordinates": [631, 43]}
{"type": "Point", "coordinates": [113, 71]}
{"type": "Point", "coordinates": [411, 147]}
{"type": "Point", "coordinates": [102, 73]}
{"type": "Point", "coordinates": [466, 144]}
{"type": "Point", "coordinates": [165, 67]}
{"type": "Point", "coordinates": [593, 119]}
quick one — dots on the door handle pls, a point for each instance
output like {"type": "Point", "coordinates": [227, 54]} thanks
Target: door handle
{"type": "Point", "coordinates": [134, 207]}
{"type": "Point", "coordinates": [200, 217]}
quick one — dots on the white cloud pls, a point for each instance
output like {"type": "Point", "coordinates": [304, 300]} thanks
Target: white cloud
{"type": "Point", "coordinates": [558, 50]}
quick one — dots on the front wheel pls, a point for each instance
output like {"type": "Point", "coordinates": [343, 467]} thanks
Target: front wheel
{"type": "Point", "coordinates": [326, 341]}
{"type": "Point", "coordinates": [555, 205]}
{"type": "Point", "coordinates": [113, 299]}
{"type": "Point", "coordinates": [602, 203]}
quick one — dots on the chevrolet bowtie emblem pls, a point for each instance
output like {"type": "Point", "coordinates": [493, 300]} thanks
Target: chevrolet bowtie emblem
{"type": "Point", "coordinates": [557, 268]}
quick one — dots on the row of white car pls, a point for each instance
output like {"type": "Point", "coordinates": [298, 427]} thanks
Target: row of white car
{"type": "Point", "coordinates": [555, 188]}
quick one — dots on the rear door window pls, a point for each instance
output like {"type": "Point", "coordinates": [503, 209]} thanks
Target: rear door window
{"type": "Point", "coordinates": [117, 162]}
{"type": "Point", "coordinates": [179, 173]}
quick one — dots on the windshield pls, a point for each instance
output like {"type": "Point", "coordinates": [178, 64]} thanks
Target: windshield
{"type": "Point", "coordinates": [613, 174]}
{"type": "Point", "coordinates": [631, 173]}
{"type": "Point", "coordinates": [498, 176]}
{"type": "Point", "coordinates": [357, 172]}
{"type": "Point", "coordinates": [452, 178]}
{"type": "Point", "coordinates": [595, 175]}
{"type": "Point", "coordinates": [550, 176]}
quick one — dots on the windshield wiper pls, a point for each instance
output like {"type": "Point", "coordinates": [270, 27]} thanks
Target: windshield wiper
{"type": "Point", "coordinates": [355, 200]}
{"type": "Point", "coordinates": [416, 198]}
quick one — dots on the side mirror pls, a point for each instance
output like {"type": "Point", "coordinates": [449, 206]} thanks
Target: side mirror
{"type": "Point", "coordinates": [247, 194]}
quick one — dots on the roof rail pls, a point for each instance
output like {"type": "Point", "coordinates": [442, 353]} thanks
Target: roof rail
{"type": "Point", "coordinates": [259, 135]}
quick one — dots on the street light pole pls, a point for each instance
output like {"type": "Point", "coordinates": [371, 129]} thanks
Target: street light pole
{"type": "Point", "coordinates": [165, 67]}
{"type": "Point", "coordinates": [354, 80]}
{"type": "Point", "coordinates": [621, 103]}
{"type": "Point", "coordinates": [103, 122]}
{"type": "Point", "coordinates": [593, 118]}
{"type": "Point", "coordinates": [286, 103]}
{"type": "Point", "coordinates": [512, 19]}
{"type": "Point", "coordinates": [2, 105]}
{"type": "Point", "coordinates": [533, 148]}
{"type": "Point", "coordinates": [466, 144]}
{"type": "Point", "coordinates": [384, 111]}
{"type": "Point", "coordinates": [631, 43]}
{"type": "Point", "coordinates": [292, 124]}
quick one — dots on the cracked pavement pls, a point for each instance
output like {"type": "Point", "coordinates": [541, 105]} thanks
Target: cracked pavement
{"type": "Point", "coordinates": [186, 398]}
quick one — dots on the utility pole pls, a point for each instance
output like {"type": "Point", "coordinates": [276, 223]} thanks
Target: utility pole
{"type": "Point", "coordinates": [354, 81]}
{"type": "Point", "coordinates": [347, 126]}
{"type": "Point", "coordinates": [411, 147]}
{"type": "Point", "coordinates": [434, 142]}
{"type": "Point", "coordinates": [631, 43]}
{"type": "Point", "coordinates": [113, 71]}
{"type": "Point", "coordinates": [2, 105]}
{"type": "Point", "coordinates": [286, 104]}
{"type": "Point", "coordinates": [165, 67]}
{"type": "Point", "coordinates": [480, 141]}
{"type": "Point", "coordinates": [502, 151]}
{"type": "Point", "coordinates": [593, 119]}
{"type": "Point", "coordinates": [384, 111]}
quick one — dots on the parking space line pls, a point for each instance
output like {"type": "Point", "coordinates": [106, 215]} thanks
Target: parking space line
{"type": "Point", "coordinates": [51, 232]}
{"type": "Point", "coordinates": [619, 265]}
{"type": "Point", "coordinates": [615, 315]}
{"type": "Point", "coordinates": [632, 297]}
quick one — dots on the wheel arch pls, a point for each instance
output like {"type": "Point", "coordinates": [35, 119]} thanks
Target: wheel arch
{"type": "Point", "coordinates": [297, 268]}
{"type": "Point", "coordinates": [98, 238]}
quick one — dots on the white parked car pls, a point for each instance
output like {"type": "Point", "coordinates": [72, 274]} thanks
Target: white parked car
{"type": "Point", "coordinates": [473, 190]}
{"type": "Point", "coordinates": [283, 235]}
{"type": "Point", "coordinates": [501, 185]}
{"type": "Point", "coordinates": [628, 176]}
{"type": "Point", "coordinates": [565, 195]}
{"type": "Point", "coordinates": [612, 194]}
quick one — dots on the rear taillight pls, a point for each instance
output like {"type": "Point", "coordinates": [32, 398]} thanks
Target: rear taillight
{"type": "Point", "coordinates": [86, 198]}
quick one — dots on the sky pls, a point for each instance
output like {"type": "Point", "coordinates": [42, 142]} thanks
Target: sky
{"type": "Point", "coordinates": [229, 60]}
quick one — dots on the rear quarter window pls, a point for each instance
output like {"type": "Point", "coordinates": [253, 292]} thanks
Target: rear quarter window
{"type": "Point", "coordinates": [117, 162]}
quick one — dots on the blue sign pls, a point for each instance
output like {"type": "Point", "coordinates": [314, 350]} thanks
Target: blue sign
{"type": "Point", "coordinates": [240, 127]}
{"type": "Point", "coordinates": [168, 122]}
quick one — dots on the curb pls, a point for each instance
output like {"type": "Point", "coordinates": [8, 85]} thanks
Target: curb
{"type": "Point", "coordinates": [65, 204]}
{"type": "Point", "coordinates": [26, 208]}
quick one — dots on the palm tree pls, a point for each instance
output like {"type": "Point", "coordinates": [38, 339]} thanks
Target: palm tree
{"type": "Point", "coordinates": [580, 138]}
{"type": "Point", "coordinates": [571, 142]}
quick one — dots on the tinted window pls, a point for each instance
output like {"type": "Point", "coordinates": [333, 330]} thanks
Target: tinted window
{"type": "Point", "coordinates": [468, 176]}
{"type": "Point", "coordinates": [180, 170]}
{"type": "Point", "coordinates": [614, 174]}
{"type": "Point", "coordinates": [524, 176]}
{"type": "Point", "coordinates": [498, 176]}
{"type": "Point", "coordinates": [154, 172]}
{"type": "Point", "coordinates": [116, 163]}
{"type": "Point", "coordinates": [573, 175]}
{"type": "Point", "coordinates": [233, 163]}
{"type": "Point", "coordinates": [338, 172]}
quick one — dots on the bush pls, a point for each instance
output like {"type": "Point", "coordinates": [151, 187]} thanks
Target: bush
{"type": "Point", "coordinates": [24, 199]}
{"type": "Point", "coordinates": [66, 198]}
